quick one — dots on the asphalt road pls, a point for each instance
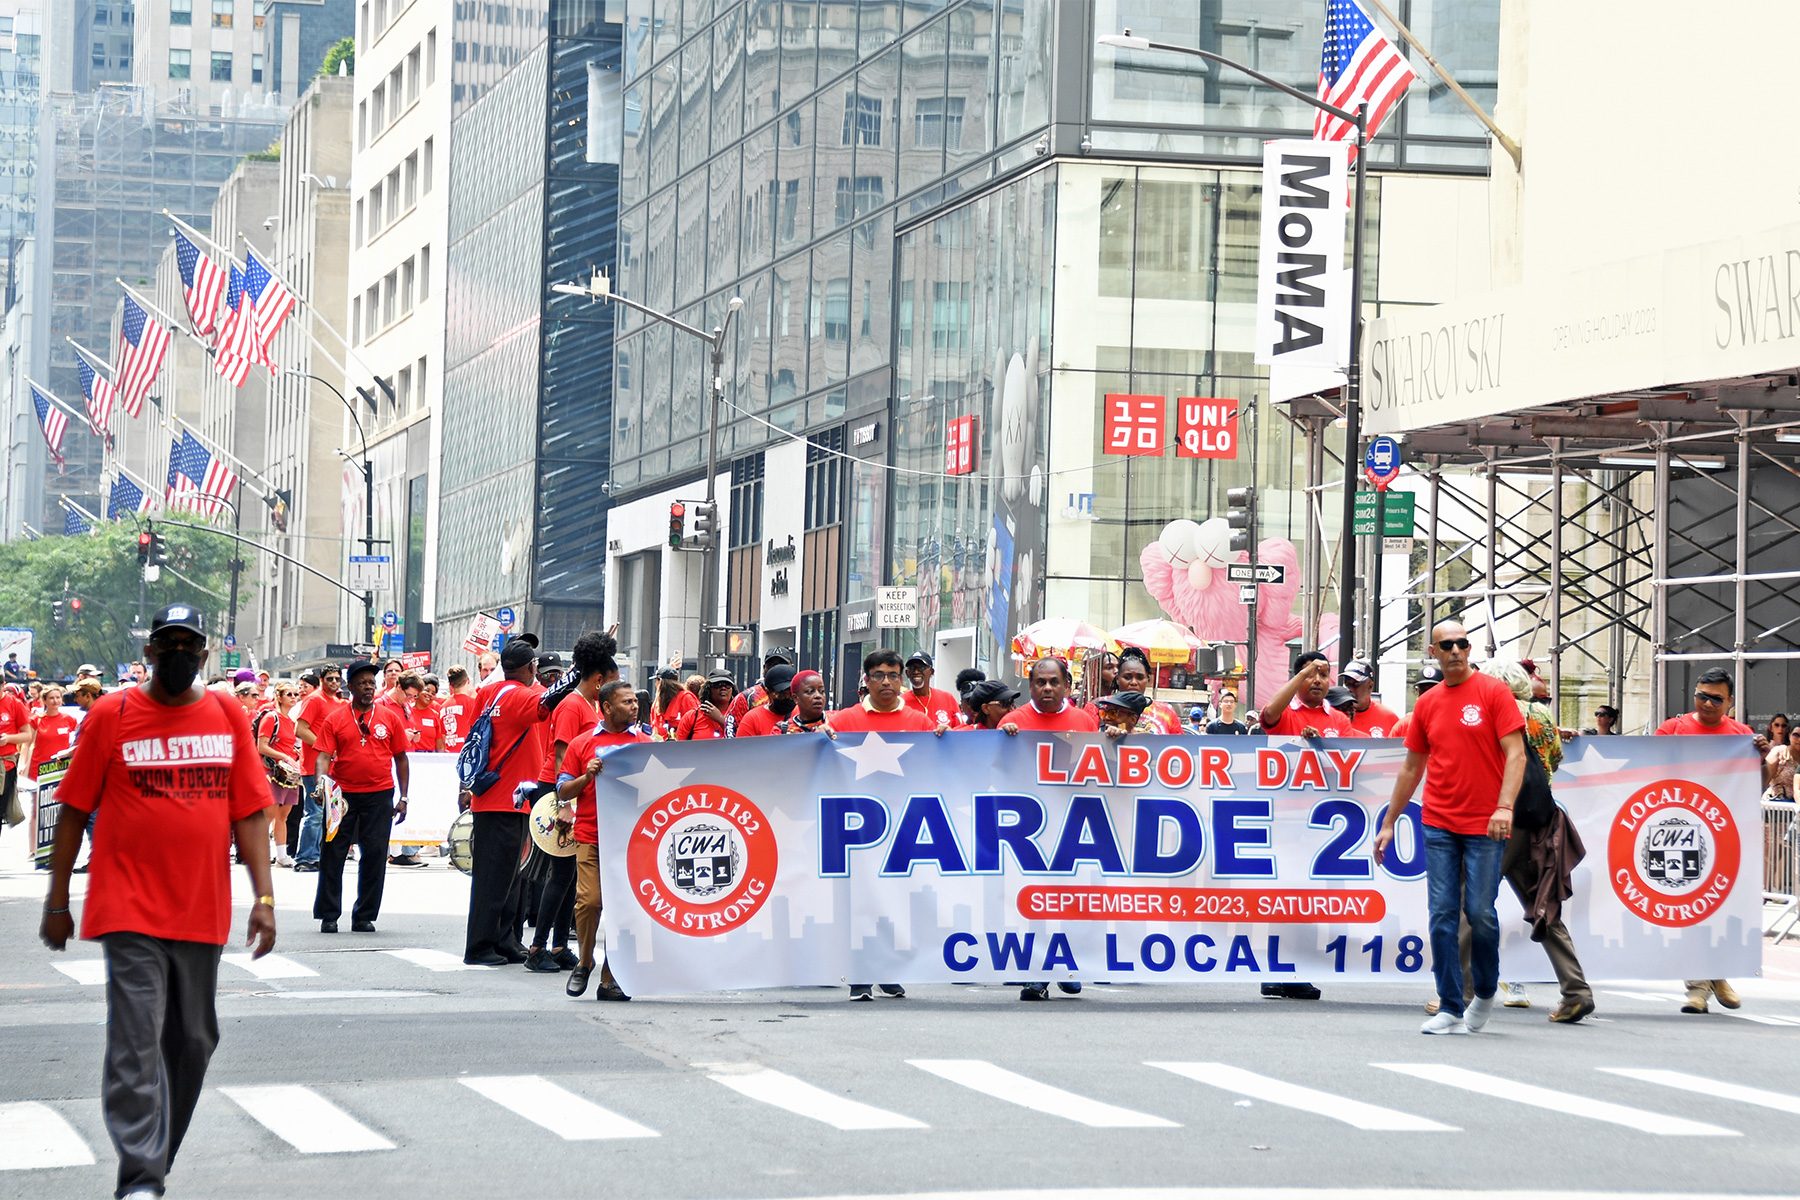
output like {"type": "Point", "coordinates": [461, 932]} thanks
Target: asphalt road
{"type": "Point", "coordinates": [476, 1082]}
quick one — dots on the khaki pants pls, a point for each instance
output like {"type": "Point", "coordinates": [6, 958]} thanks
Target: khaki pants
{"type": "Point", "coordinates": [1517, 869]}
{"type": "Point", "coordinates": [587, 900]}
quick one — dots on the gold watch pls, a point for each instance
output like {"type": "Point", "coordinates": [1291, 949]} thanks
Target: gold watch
{"type": "Point", "coordinates": [268, 900]}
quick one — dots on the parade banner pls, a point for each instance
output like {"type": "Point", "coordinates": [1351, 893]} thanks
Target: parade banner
{"type": "Point", "coordinates": [431, 800]}
{"type": "Point", "coordinates": [978, 857]}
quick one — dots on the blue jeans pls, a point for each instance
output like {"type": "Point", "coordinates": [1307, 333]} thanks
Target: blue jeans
{"type": "Point", "coordinates": [1462, 875]}
{"type": "Point", "coordinates": [312, 823]}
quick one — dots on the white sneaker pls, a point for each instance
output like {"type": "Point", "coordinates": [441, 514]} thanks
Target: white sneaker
{"type": "Point", "coordinates": [1513, 995]}
{"type": "Point", "coordinates": [1443, 1022]}
{"type": "Point", "coordinates": [283, 859]}
{"type": "Point", "coordinates": [1479, 1011]}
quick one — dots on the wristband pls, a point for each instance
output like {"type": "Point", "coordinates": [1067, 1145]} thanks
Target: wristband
{"type": "Point", "coordinates": [55, 912]}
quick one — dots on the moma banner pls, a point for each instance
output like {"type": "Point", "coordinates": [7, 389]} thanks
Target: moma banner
{"type": "Point", "coordinates": [1302, 291]}
{"type": "Point", "coordinates": [979, 857]}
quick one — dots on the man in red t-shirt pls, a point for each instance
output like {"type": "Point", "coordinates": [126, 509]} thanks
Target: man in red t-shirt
{"type": "Point", "coordinates": [760, 721]}
{"type": "Point", "coordinates": [456, 710]}
{"type": "Point", "coordinates": [177, 773]}
{"type": "Point", "coordinates": [1298, 708]}
{"type": "Point", "coordinates": [362, 746]}
{"type": "Point", "coordinates": [884, 709]}
{"type": "Point", "coordinates": [1371, 718]}
{"type": "Point", "coordinates": [758, 693]}
{"type": "Point", "coordinates": [15, 731]}
{"type": "Point", "coordinates": [594, 658]}
{"type": "Point", "coordinates": [935, 703]}
{"type": "Point", "coordinates": [53, 732]}
{"type": "Point", "coordinates": [580, 766]}
{"type": "Point", "coordinates": [1471, 728]}
{"type": "Point", "coordinates": [312, 817]}
{"type": "Point", "coordinates": [1049, 711]}
{"type": "Point", "coordinates": [1713, 697]}
{"type": "Point", "coordinates": [520, 738]}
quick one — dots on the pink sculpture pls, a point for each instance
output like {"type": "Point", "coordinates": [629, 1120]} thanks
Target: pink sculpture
{"type": "Point", "coordinates": [1184, 573]}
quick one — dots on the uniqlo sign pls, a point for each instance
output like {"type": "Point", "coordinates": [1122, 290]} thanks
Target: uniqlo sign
{"type": "Point", "coordinates": [1206, 427]}
{"type": "Point", "coordinates": [959, 446]}
{"type": "Point", "coordinates": [1135, 424]}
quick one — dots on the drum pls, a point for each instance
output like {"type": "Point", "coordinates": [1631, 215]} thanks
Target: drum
{"type": "Point", "coordinates": [462, 832]}
{"type": "Point", "coordinates": [554, 837]}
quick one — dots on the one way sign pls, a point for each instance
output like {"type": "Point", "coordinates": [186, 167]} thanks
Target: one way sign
{"type": "Point", "coordinates": [1255, 573]}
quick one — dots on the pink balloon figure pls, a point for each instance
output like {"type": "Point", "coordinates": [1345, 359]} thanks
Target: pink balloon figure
{"type": "Point", "coordinates": [1200, 597]}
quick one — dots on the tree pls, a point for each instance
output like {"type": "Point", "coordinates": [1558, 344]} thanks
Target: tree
{"type": "Point", "coordinates": [102, 569]}
{"type": "Point", "coordinates": [342, 52]}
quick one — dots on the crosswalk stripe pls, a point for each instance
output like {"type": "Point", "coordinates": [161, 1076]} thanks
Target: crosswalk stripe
{"type": "Point", "coordinates": [1001, 1084]}
{"type": "Point", "coordinates": [434, 960]}
{"type": "Point", "coordinates": [1648, 997]}
{"type": "Point", "coordinates": [1715, 1088]}
{"type": "Point", "coordinates": [88, 972]}
{"type": "Point", "coordinates": [270, 966]}
{"type": "Point", "coordinates": [1761, 1018]}
{"type": "Point", "coordinates": [34, 1136]}
{"type": "Point", "coordinates": [804, 1100]}
{"type": "Point", "coordinates": [1500, 1088]}
{"type": "Point", "coordinates": [1293, 1095]}
{"type": "Point", "coordinates": [305, 1120]}
{"type": "Point", "coordinates": [570, 1117]}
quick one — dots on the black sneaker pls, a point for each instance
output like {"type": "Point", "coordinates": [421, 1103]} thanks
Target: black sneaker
{"type": "Point", "coordinates": [565, 959]}
{"type": "Point", "coordinates": [1035, 991]}
{"type": "Point", "coordinates": [306, 868]}
{"type": "Point", "coordinates": [894, 990]}
{"type": "Point", "coordinates": [1069, 989]}
{"type": "Point", "coordinates": [578, 979]}
{"type": "Point", "coordinates": [861, 991]}
{"type": "Point", "coordinates": [539, 960]}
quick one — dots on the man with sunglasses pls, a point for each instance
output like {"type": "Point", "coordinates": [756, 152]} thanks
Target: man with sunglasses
{"type": "Point", "coordinates": [1713, 694]}
{"type": "Point", "coordinates": [362, 746]}
{"type": "Point", "coordinates": [1473, 729]}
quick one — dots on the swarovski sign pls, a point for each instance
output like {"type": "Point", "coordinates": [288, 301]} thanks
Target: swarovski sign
{"type": "Point", "coordinates": [1302, 304]}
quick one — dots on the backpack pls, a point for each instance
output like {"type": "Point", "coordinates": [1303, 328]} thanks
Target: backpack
{"type": "Point", "coordinates": [1535, 806]}
{"type": "Point", "coordinates": [473, 761]}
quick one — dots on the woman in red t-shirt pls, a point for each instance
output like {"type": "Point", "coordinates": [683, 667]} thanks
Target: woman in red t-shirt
{"type": "Point", "coordinates": [278, 741]}
{"type": "Point", "coordinates": [53, 732]}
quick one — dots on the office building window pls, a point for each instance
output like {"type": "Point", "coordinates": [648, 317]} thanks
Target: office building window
{"type": "Point", "coordinates": [356, 320]}
{"type": "Point", "coordinates": [181, 12]}
{"type": "Point", "coordinates": [412, 74]}
{"type": "Point", "coordinates": [862, 120]}
{"type": "Point", "coordinates": [371, 311]}
{"type": "Point", "coordinates": [221, 15]}
{"type": "Point", "coordinates": [412, 179]}
{"type": "Point", "coordinates": [430, 148]}
{"type": "Point", "coordinates": [180, 64]}
{"type": "Point", "coordinates": [377, 110]}
{"type": "Point", "coordinates": [256, 68]}
{"type": "Point", "coordinates": [374, 211]}
{"type": "Point", "coordinates": [409, 282]}
{"type": "Point", "coordinates": [431, 58]}
{"type": "Point", "coordinates": [102, 15]}
{"type": "Point", "coordinates": [938, 121]}
{"type": "Point", "coordinates": [100, 54]}
{"type": "Point", "coordinates": [391, 292]}
{"type": "Point", "coordinates": [424, 272]}
{"type": "Point", "coordinates": [221, 67]}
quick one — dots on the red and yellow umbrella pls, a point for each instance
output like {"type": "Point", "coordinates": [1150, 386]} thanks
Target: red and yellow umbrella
{"type": "Point", "coordinates": [1165, 642]}
{"type": "Point", "coordinates": [1059, 637]}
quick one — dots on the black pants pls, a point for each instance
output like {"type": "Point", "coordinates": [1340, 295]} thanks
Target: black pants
{"type": "Point", "coordinates": [556, 906]}
{"type": "Point", "coordinates": [368, 820]}
{"type": "Point", "coordinates": [494, 849]}
{"type": "Point", "coordinates": [7, 787]}
{"type": "Point", "coordinates": [161, 1029]}
{"type": "Point", "coordinates": [293, 826]}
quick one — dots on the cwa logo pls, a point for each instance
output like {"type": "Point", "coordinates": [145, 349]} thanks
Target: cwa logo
{"type": "Point", "coordinates": [1673, 853]}
{"type": "Point", "coordinates": [702, 860]}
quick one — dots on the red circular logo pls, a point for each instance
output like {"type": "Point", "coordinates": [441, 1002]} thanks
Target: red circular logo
{"type": "Point", "coordinates": [702, 860]}
{"type": "Point", "coordinates": [1673, 853]}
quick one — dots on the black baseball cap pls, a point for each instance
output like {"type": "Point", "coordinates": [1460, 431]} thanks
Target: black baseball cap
{"type": "Point", "coordinates": [549, 660]}
{"type": "Point", "coordinates": [357, 666]}
{"type": "Point", "coordinates": [985, 691]}
{"type": "Point", "coordinates": [1340, 698]}
{"type": "Point", "coordinates": [1430, 675]}
{"type": "Point", "coordinates": [721, 677]}
{"type": "Point", "coordinates": [777, 657]}
{"type": "Point", "coordinates": [779, 679]}
{"type": "Point", "coordinates": [519, 652]}
{"type": "Point", "coordinates": [1358, 670]}
{"type": "Point", "coordinates": [1132, 702]}
{"type": "Point", "coordinates": [178, 616]}
{"type": "Point", "coordinates": [919, 656]}
{"type": "Point", "coordinates": [528, 639]}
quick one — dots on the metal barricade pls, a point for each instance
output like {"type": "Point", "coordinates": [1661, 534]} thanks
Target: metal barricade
{"type": "Point", "coordinates": [1781, 869]}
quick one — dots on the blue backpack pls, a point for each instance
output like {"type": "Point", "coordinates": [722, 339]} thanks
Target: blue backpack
{"type": "Point", "coordinates": [472, 761]}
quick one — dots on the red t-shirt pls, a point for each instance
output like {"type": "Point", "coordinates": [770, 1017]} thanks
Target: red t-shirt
{"type": "Point", "coordinates": [860, 718]}
{"type": "Point", "coordinates": [313, 711]}
{"type": "Point", "coordinates": [575, 761]}
{"type": "Point", "coordinates": [456, 713]}
{"type": "Point", "coordinates": [935, 703]}
{"type": "Point", "coordinates": [663, 725]}
{"type": "Point", "coordinates": [14, 718]}
{"type": "Point", "coordinates": [173, 779]}
{"type": "Point", "coordinates": [572, 718]}
{"type": "Point", "coordinates": [517, 723]}
{"type": "Point", "coordinates": [1299, 715]}
{"type": "Point", "coordinates": [1069, 720]}
{"type": "Point", "coordinates": [362, 761]}
{"type": "Point", "coordinates": [758, 722]}
{"type": "Point", "coordinates": [1688, 723]}
{"type": "Point", "coordinates": [753, 697]}
{"type": "Point", "coordinates": [54, 735]}
{"type": "Point", "coordinates": [1460, 725]}
{"type": "Point", "coordinates": [426, 725]}
{"type": "Point", "coordinates": [1377, 720]}
{"type": "Point", "coordinates": [696, 726]}
{"type": "Point", "coordinates": [280, 729]}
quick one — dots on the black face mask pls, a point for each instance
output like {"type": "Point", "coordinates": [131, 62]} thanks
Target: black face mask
{"type": "Point", "coordinates": [177, 669]}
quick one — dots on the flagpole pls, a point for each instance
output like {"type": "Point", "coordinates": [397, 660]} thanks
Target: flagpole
{"type": "Point", "coordinates": [84, 514]}
{"type": "Point", "coordinates": [94, 360]}
{"type": "Point", "coordinates": [1506, 143]}
{"type": "Point", "coordinates": [243, 466]}
{"type": "Point", "coordinates": [192, 232]}
{"type": "Point", "coordinates": [166, 319]}
{"type": "Point", "coordinates": [314, 310]}
{"type": "Point", "coordinates": [49, 395]}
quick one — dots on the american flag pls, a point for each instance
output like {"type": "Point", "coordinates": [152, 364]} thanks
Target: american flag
{"type": "Point", "coordinates": [272, 298]}
{"type": "Point", "coordinates": [206, 470]}
{"type": "Point", "coordinates": [236, 348]}
{"type": "Point", "coordinates": [126, 498]}
{"type": "Point", "coordinates": [142, 344]}
{"type": "Point", "coordinates": [53, 421]}
{"type": "Point", "coordinates": [74, 523]}
{"type": "Point", "coordinates": [98, 390]}
{"type": "Point", "coordinates": [180, 492]}
{"type": "Point", "coordinates": [202, 281]}
{"type": "Point", "coordinates": [1359, 65]}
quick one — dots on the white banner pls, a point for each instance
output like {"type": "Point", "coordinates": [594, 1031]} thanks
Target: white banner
{"type": "Point", "coordinates": [430, 802]}
{"type": "Point", "coordinates": [1302, 299]}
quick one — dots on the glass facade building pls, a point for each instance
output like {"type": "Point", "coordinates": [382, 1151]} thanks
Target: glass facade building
{"type": "Point", "coordinates": [962, 209]}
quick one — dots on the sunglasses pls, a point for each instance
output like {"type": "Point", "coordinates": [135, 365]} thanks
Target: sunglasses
{"type": "Point", "coordinates": [1710, 698]}
{"type": "Point", "coordinates": [1449, 644]}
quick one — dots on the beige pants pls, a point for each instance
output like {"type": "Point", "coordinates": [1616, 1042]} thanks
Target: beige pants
{"type": "Point", "coordinates": [587, 900]}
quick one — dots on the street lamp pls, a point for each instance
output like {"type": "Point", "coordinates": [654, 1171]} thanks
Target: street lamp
{"type": "Point", "coordinates": [599, 287]}
{"type": "Point", "coordinates": [1353, 381]}
{"type": "Point", "coordinates": [368, 474]}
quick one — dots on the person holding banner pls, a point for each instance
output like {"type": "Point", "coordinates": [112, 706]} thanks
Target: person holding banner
{"type": "Point", "coordinates": [1713, 700]}
{"type": "Point", "coordinates": [1473, 729]}
{"type": "Point", "coordinates": [581, 765]}
{"type": "Point", "coordinates": [933, 702]}
{"type": "Point", "coordinates": [884, 709]}
{"type": "Point", "coordinates": [1133, 675]}
{"type": "Point", "coordinates": [1050, 710]}
{"type": "Point", "coordinates": [810, 703]}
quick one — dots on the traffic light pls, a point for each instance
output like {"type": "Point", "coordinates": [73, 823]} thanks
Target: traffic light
{"type": "Point", "coordinates": [56, 614]}
{"type": "Point", "coordinates": [159, 550]}
{"type": "Point", "coordinates": [677, 523]}
{"type": "Point", "coordinates": [706, 525]}
{"type": "Point", "coordinates": [145, 540]}
{"type": "Point", "coordinates": [75, 613]}
{"type": "Point", "coordinates": [1240, 515]}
